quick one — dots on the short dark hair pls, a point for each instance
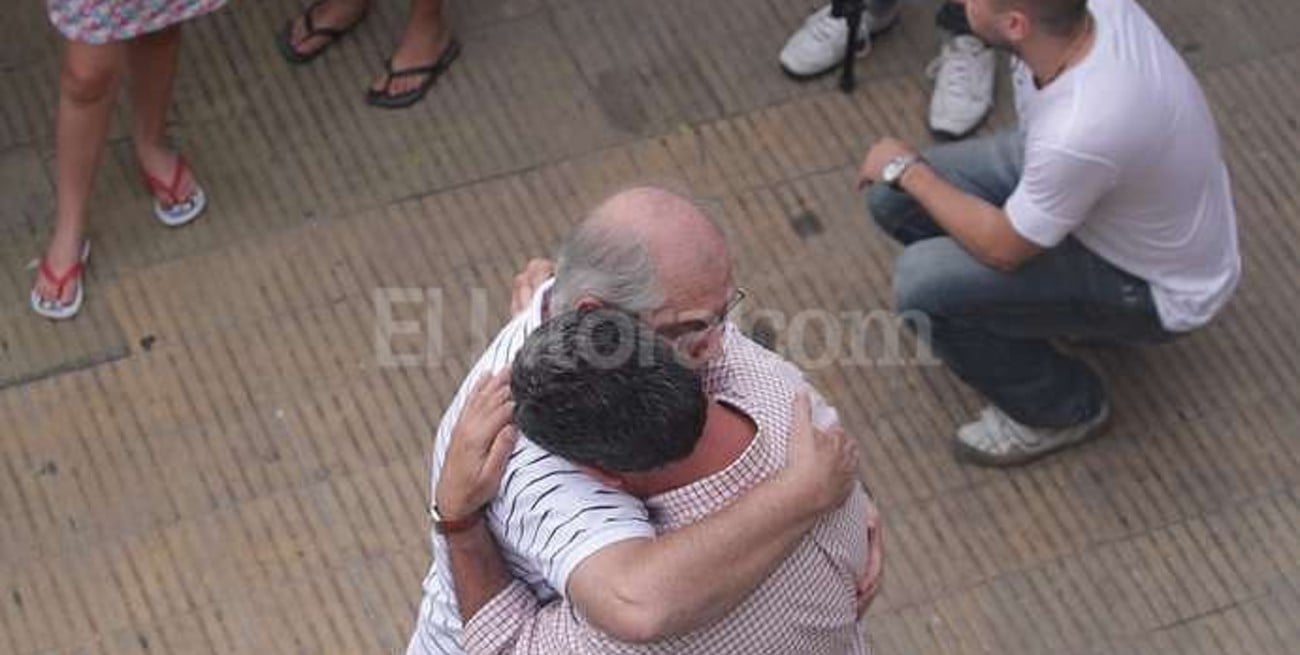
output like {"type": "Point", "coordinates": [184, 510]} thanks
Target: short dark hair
{"type": "Point", "coordinates": [1058, 17]}
{"type": "Point", "coordinates": [598, 387]}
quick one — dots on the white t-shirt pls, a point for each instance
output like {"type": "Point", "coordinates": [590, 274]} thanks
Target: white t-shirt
{"type": "Point", "coordinates": [1122, 152]}
{"type": "Point", "coordinates": [548, 516]}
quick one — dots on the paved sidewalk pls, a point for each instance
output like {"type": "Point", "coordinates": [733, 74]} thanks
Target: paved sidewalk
{"type": "Point", "coordinates": [212, 459]}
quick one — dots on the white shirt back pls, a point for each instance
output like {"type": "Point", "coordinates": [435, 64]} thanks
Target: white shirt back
{"type": "Point", "coordinates": [1122, 153]}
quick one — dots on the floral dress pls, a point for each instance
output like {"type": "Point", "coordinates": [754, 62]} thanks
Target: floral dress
{"type": "Point", "coordinates": [102, 21]}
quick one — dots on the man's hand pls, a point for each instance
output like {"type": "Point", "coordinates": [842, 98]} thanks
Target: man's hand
{"type": "Point", "coordinates": [880, 154]}
{"type": "Point", "coordinates": [821, 466]}
{"type": "Point", "coordinates": [480, 444]}
{"type": "Point", "coordinates": [535, 272]}
{"type": "Point", "coordinates": [869, 584]}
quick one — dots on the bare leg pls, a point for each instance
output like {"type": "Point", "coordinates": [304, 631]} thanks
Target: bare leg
{"type": "Point", "coordinates": [152, 61]}
{"type": "Point", "coordinates": [88, 84]}
{"type": "Point", "coordinates": [426, 36]}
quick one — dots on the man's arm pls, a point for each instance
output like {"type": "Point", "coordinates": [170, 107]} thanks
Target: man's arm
{"type": "Point", "coordinates": [478, 571]}
{"type": "Point", "coordinates": [476, 459]}
{"type": "Point", "coordinates": [647, 589]}
{"type": "Point", "coordinates": [640, 602]}
{"type": "Point", "coordinates": [984, 230]}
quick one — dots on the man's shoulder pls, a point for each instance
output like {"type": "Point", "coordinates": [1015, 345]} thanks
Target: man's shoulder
{"type": "Point", "coordinates": [549, 515]}
{"type": "Point", "coordinates": [539, 486]}
{"type": "Point", "coordinates": [743, 354]}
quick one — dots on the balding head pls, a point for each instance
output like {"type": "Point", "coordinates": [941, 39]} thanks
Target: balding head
{"type": "Point", "coordinates": [679, 237]}
{"type": "Point", "coordinates": [648, 251]}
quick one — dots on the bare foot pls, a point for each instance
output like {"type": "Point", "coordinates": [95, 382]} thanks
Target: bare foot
{"type": "Point", "coordinates": [62, 254]}
{"type": "Point", "coordinates": [424, 40]}
{"type": "Point", "coordinates": [333, 14]}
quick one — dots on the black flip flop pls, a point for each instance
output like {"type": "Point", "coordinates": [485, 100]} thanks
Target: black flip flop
{"type": "Point", "coordinates": [284, 38]}
{"type": "Point", "coordinates": [388, 100]}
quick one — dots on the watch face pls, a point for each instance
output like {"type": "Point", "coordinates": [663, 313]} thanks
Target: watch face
{"type": "Point", "coordinates": [892, 170]}
{"type": "Point", "coordinates": [895, 168]}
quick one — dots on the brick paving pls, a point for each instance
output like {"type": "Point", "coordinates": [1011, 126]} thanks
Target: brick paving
{"type": "Point", "coordinates": [212, 458]}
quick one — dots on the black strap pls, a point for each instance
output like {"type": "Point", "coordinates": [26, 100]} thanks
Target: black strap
{"type": "Point", "coordinates": [309, 23]}
{"type": "Point", "coordinates": [444, 60]}
{"type": "Point", "coordinates": [851, 12]}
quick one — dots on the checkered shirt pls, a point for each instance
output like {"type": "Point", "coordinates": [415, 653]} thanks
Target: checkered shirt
{"type": "Point", "coordinates": [805, 606]}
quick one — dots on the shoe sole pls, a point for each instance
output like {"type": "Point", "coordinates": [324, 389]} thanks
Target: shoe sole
{"type": "Point", "coordinates": [200, 204]}
{"type": "Point", "coordinates": [862, 52]}
{"type": "Point", "coordinates": [945, 135]}
{"type": "Point", "coordinates": [965, 453]}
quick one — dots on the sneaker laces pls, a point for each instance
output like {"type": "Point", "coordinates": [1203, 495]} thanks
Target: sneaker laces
{"type": "Point", "coordinates": [953, 68]}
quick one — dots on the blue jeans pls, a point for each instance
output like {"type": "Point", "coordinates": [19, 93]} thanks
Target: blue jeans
{"type": "Point", "coordinates": [995, 329]}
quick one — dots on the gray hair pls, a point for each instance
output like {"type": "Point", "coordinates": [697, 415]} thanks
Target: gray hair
{"type": "Point", "coordinates": [611, 265]}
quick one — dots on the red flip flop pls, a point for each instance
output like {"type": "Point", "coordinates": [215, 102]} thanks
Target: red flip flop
{"type": "Point", "coordinates": [169, 206]}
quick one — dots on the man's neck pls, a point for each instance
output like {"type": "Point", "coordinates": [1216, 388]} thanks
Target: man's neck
{"type": "Point", "coordinates": [1048, 57]}
{"type": "Point", "coordinates": [727, 434]}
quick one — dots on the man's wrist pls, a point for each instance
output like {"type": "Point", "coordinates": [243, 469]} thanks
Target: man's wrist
{"type": "Point", "coordinates": [456, 520]}
{"type": "Point", "coordinates": [917, 168]}
{"type": "Point", "coordinates": [475, 536]}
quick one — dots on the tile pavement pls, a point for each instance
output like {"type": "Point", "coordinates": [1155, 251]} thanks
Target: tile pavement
{"type": "Point", "coordinates": [212, 459]}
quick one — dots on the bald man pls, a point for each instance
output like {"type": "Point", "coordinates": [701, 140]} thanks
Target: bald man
{"type": "Point", "coordinates": [653, 254]}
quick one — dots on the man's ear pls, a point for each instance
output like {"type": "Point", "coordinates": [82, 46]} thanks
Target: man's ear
{"type": "Point", "coordinates": [1017, 26]}
{"type": "Point", "coordinates": [588, 303]}
{"type": "Point", "coordinates": [607, 478]}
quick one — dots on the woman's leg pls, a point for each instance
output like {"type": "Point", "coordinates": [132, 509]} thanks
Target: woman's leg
{"type": "Point", "coordinates": [152, 61]}
{"type": "Point", "coordinates": [88, 84]}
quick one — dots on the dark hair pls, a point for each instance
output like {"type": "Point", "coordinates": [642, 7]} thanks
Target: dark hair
{"type": "Point", "coordinates": [1058, 17]}
{"type": "Point", "coordinates": [599, 388]}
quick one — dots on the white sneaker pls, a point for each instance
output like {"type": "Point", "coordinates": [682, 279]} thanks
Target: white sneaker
{"type": "Point", "coordinates": [817, 46]}
{"type": "Point", "coordinates": [996, 439]}
{"type": "Point", "coordinates": [963, 75]}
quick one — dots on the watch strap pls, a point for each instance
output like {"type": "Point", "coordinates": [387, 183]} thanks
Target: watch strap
{"type": "Point", "coordinates": [901, 163]}
{"type": "Point", "coordinates": [452, 526]}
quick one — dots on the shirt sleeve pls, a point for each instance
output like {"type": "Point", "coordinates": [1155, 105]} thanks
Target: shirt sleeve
{"type": "Point", "coordinates": [550, 515]}
{"type": "Point", "coordinates": [1058, 189]}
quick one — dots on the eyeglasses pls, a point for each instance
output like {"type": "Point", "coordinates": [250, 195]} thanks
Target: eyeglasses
{"type": "Point", "coordinates": [696, 327]}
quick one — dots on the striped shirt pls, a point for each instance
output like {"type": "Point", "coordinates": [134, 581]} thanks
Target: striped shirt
{"type": "Point", "coordinates": [547, 517]}
{"type": "Point", "coordinates": [807, 605]}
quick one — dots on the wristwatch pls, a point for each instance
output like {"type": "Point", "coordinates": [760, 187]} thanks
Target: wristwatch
{"type": "Point", "coordinates": [451, 526]}
{"type": "Point", "coordinates": [892, 174]}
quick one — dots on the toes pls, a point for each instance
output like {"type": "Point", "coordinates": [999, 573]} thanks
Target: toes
{"type": "Point", "coordinates": [405, 84]}
{"type": "Point", "coordinates": [298, 39]}
{"type": "Point", "coordinates": [47, 293]}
